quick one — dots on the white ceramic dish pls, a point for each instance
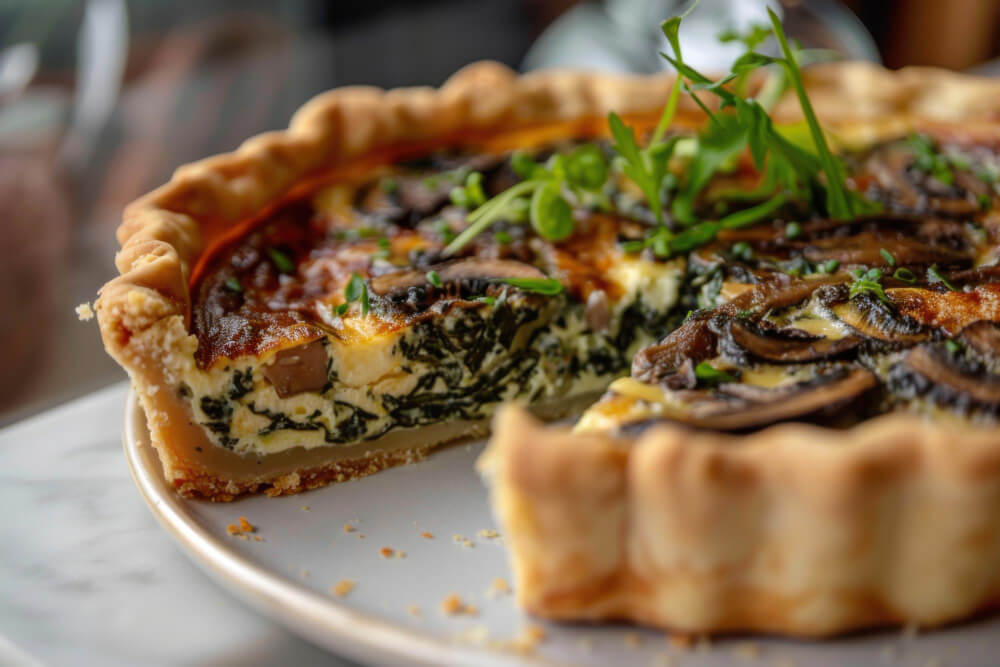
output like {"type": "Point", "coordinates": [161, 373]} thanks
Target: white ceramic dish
{"type": "Point", "coordinates": [304, 550]}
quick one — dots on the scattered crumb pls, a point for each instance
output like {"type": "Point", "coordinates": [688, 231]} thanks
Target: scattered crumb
{"type": "Point", "coordinates": [85, 312]}
{"type": "Point", "coordinates": [498, 587]}
{"type": "Point", "coordinates": [529, 639]}
{"type": "Point", "coordinates": [361, 536]}
{"type": "Point", "coordinates": [427, 536]}
{"type": "Point", "coordinates": [348, 528]}
{"type": "Point", "coordinates": [632, 640]}
{"type": "Point", "coordinates": [258, 538]}
{"type": "Point", "coordinates": [488, 534]}
{"type": "Point", "coordinates": [233, 529]}
{"type": "Point", "coordinates": [242, 529]}
{"type": "Point", "coordinates": [747, 651]}
{"type": "Point", "coordinates": [680, 641]}
{"type": "Point", "coordinates": [386, 552]}
{"type": "Point", "coordinates": [305, 508]}
{"type": "Point", "coordinates": [400, 553]}
{"type": "Point", "coordinates": [452, 605]}
{"type": "Point", "coordinates": [246, 526]}
{"type": "Point", "coordinates": [343, 587]}
{"type": "Point", "coordinates": [414, 611]}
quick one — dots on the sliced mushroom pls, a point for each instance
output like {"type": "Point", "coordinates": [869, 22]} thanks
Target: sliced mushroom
{"type": "Point", "coordinates": [786, 345]}
{"type": "Point", "coordinates": [874, 319]}
{"type": "Point", "coordinates": [983, 337]}
{"type": "Point", "coordinates": [299, 369]}
{"type": "Point", "coordinates": [460, 276]}
{"type": "Point", "coordinates": [950, 378]}
{"type": "Point", "coordinates": [692, 341]}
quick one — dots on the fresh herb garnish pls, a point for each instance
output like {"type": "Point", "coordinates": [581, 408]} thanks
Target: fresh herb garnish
{"type": "Point", "coordinates": [383, 251]}
{"type": "Point", "coordinates": [867, 282]}
{"type": "Point", "coordinates": [887, 256]}
{"type": "Point", "coordinates": [830, 266]}
{"type": "Point", "coordinates": [356, 291]}
{"type": "Point", "coordinates": [503, 238]}
{"type": "Point", "coordinates": [281, 261]}
{"type": "Point", "coordinates": [546, 286]}
{"type": "Point", "coordinates": [488, 300]}
{"type": "Point", "coordinates": [904, 275]}
{"type": "Point", "coordinates": [434, 279]}
{"type": "Point", "coordinates": [953, 346]}
{"type": "Point", "coordinates": [742, 250]}
{"type": "Point", "coordinates": [541, 197]}
{"type": "Point", "coordinates": [233, 285]}
{"type": "Point", "coordinates": [709, 375]}
{"type": "Point", "coordinates": [934, 276]}
{"type": "Point", "coordinates": [930, 161]}
{"type": "Point", "coordinates": [471, 194]}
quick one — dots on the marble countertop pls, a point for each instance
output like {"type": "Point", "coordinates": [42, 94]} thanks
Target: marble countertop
{"type": "Point", "coordinates": [87, 576]}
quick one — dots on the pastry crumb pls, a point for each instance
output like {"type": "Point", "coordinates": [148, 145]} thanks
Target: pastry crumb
{"type": "Point", "coordinates": [498, 587]}
{"type": "Point", "coordinates": [632, 640]}
{"type": "Point", "coordinates": [386, 552]}
{"type": "Point", "coordinates": [246, 526]}
{"type": "Point", "coordinates": [361, 536]}
{"type": "Point", "coordinates": [452, 605]}
{"type": "Point", "coordinates": [343, 587]}
{"type": "Point", "coordinates": [305, 508]}
{"type": "Point", "coordinates": [488, 533]}
{"type": "Point", "coordinates": [85, 312]}
{"type": "Point", "coordinates": [242, 529]}
{"type": "Point", "coordinates": [348, 528]}
{"type": "Point", "coordinates": [427, 536]}
{"type": "Point", "coordinates": [233, 529]}
{"type": "Point", "coordinates": [530, 637]}
{"type": "Point", "coordinates": [400, 553]}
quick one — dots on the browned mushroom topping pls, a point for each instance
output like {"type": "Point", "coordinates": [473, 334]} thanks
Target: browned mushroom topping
{"type": "Point", "coordinates": [874, 319]}
{"type": "Point", "coordinates": [692, 341]}
{"type": "Point", "coordinates": [983, 337]}
{"type": "Point", "coordinates": [786, 345]}
{"type": "Point", "coordinates": [475, 272]}
{"type": "Point", "coordinates": [739, 406]}
{"type": "Point", "coordinates": [597, 314]}
{"type": "Point", "coordinates": [298, 369]}
{"type": "Point", "coordinates": [948, 376]}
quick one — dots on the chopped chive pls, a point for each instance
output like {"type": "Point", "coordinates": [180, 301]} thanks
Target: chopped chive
{"type": "Point", "coordinates": [710, 375]}
{"type": "Point", "coordinates": [887, 256]}
{"type": "Point", "coordinates": [357, 290]}
{"type": "Point", "coordinates": [904, 275]}
{"type": "Point", "coordinates": [830, 266]}
{"type": "Point", "coordinates": [233, 285]}
{"type": "Point", "coordinates": [434, 279]}
{"type": "Point", "coordinates": [546, 286]}
{"type": "Point", "coordinates": [281, 261]}
{"type": "Point", "coordinates": [934, 276]}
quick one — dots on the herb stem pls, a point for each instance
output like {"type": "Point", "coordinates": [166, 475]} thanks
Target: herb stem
{"type": "Point", "coordinates": [484, 216]}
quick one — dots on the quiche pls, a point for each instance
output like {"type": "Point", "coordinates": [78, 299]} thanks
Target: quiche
{"type": "Point", "coordinates": [780, 338]}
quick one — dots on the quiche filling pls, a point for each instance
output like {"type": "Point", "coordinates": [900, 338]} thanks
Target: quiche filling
{"type": "Point", "coordinates": [339, 318]}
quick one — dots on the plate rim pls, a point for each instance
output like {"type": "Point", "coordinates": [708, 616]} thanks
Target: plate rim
{"type": "Point", "coordinates": [323, 621]}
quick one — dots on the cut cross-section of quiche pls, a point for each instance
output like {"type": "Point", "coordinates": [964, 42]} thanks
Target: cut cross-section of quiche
{"type": "Point", "coordinates": [307, 309]}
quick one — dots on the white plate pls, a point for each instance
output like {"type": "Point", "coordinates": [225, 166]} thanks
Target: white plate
{"type": "Point", "coordinates": [304, 552]}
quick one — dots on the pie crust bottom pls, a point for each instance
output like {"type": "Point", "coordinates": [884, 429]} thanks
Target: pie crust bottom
{"type": "Point", "coordinates": [794, 530]}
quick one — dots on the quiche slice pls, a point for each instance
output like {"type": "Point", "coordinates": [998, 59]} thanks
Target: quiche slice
{"type": "Point", "coordinates": [298, 313]}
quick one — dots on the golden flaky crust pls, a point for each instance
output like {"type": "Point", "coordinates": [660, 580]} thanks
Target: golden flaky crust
{"type": "Point", "coordinates": [145, 312]}
{"type": "Point", "coordinates": [795, 530]}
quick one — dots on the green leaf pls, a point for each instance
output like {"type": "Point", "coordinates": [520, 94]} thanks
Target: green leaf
{"type": "Point", "coordinates": [694, 237]}
{"type": "Point", "coordinates": [887, 256]}
{"type": "Point", "coordinates": [434, 279]}
{"type": "Point", "coordinates": [635, 166]}
{"type": "Point", "coordinates": [233, 285]}
{"type": "Point", "coordinates": [754, 214]}
{"type": "Point", "coordinates": [709, 375]}
{"type": "Point", "coordinates": [550, 215]}
{"type": "Point", "coordinates": [357, 291]}
{"type": "Point", "coordinates": [546, 286]}
{"type": "Point", "coordinates": [281, 261]}
{"type": "Point", "coordinates": [586, 168]}
{"type": "Point", "coordinates": [718, 144]}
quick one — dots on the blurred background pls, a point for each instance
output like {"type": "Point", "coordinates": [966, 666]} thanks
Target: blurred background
{"type": "Point", "coordinates": [101, 99]}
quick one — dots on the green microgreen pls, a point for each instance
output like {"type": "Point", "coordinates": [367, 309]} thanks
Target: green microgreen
{"type": "Point", "coordinates": [356, 291]}
{"type": "Point", "coordinates": [503, 238]}
{"type": "Point", "coordinates": [888, 257]}
{"type": "Point", "coordinates": [935, 277]}
{"type": "Point", "coordinates": [709, 375]}
{"type": "Point", "coordinates": [868, 282]}
{"type": "Point", "coordinates": [233, 285]}
{"type": "Point", "coordinates": [903, 274]}
{"type": "Point", "coordinates": [830, 266]}
{"type": "Point", "coordinates": [929, 160]}
{"type": "Point", "coordinates": [470, 195]}
{"type": "Point", "coordinates": [434, 279]}
{"type": "Point", "coordinates": [546, 286]}
{"type": "Point", "coordinates": [543, 198]}
{"type": "Point", "coordinates": [281, 261]}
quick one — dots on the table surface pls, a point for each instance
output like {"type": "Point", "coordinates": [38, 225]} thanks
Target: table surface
{"type": "Point", "coordinates": [87, 576]}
